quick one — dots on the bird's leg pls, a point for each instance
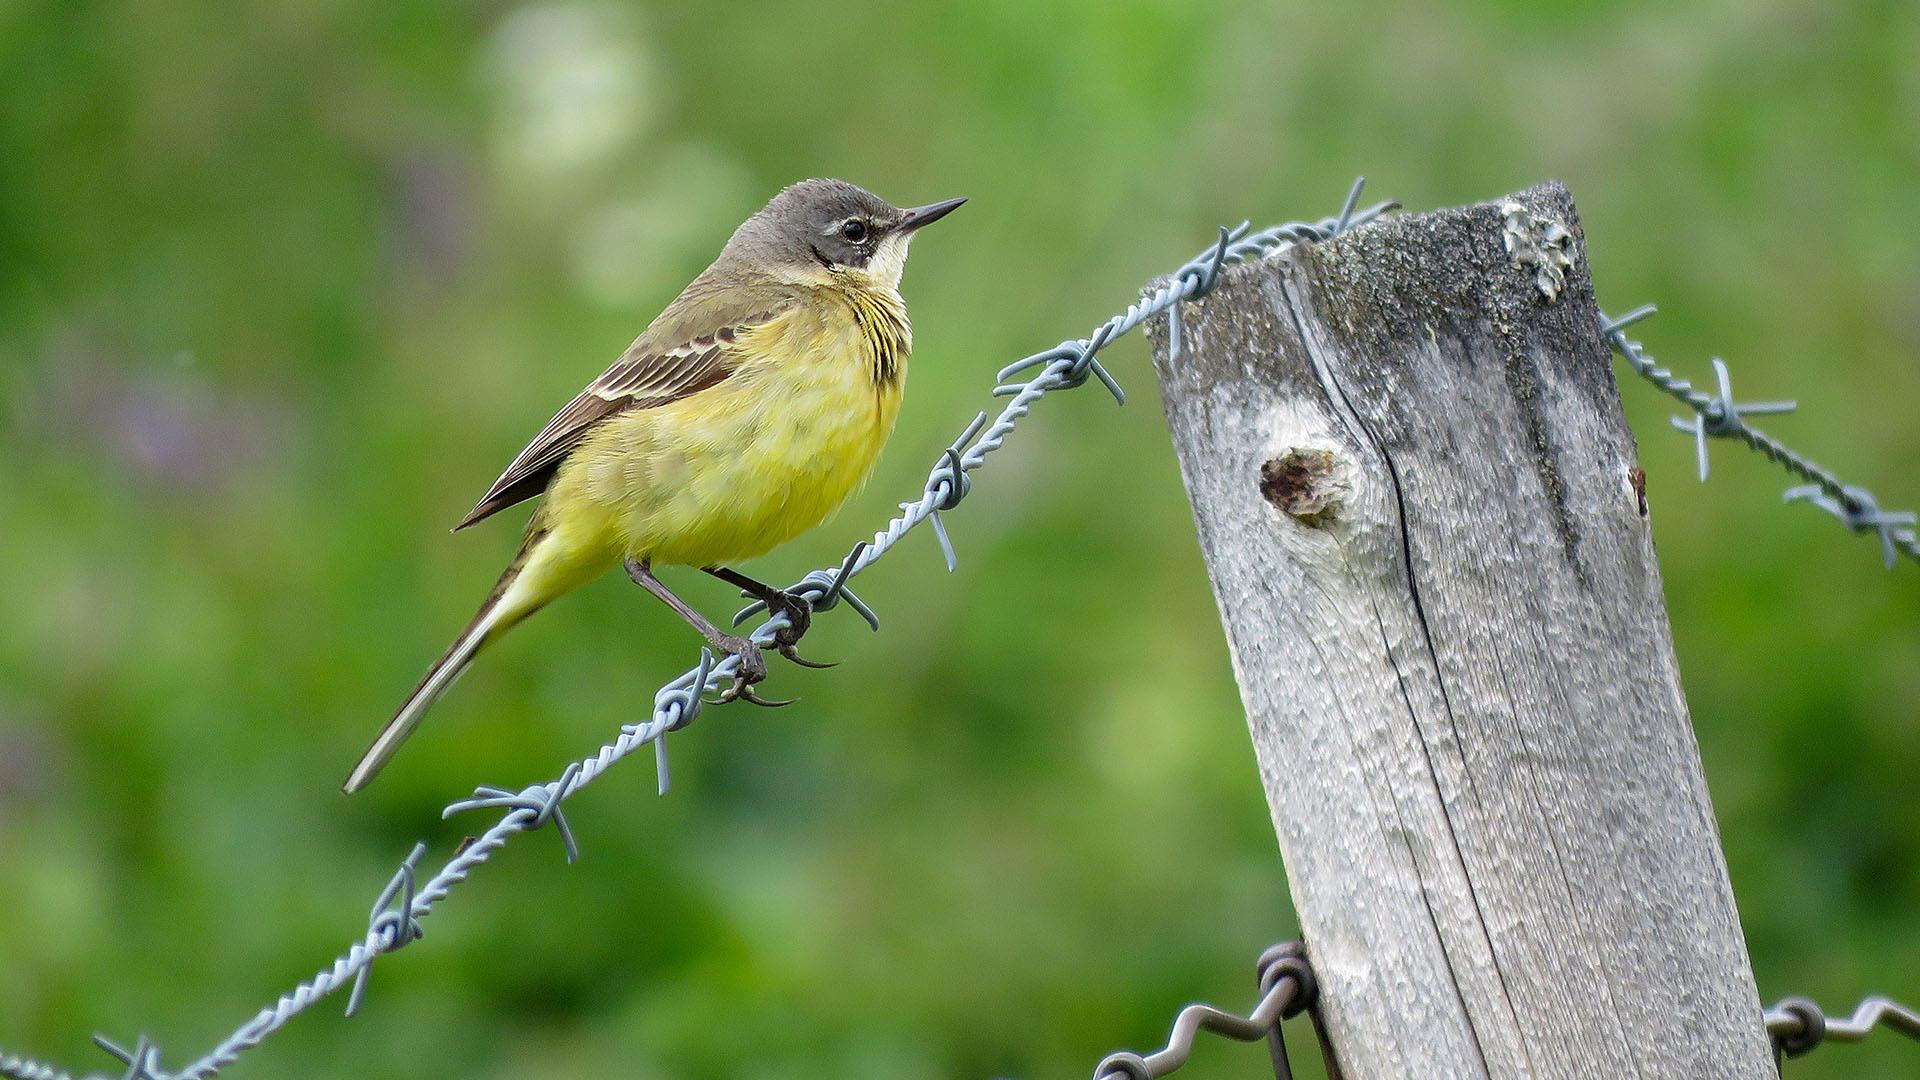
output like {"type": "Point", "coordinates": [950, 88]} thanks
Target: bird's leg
{"type": "Point", "coordinates": [798, 611]}
{"type": "Point", "coordinates": [753, 666]}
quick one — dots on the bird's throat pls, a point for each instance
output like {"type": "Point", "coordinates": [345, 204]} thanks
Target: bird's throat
{"type": "Point", "coordinates": [884, 331]}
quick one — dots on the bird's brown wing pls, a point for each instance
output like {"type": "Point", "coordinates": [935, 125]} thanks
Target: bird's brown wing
{"type": "Point", "coordinates": [646, 376]}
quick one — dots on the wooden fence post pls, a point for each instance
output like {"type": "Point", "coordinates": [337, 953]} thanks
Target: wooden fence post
{"type": "Point", "coordinates": [1421, 514]}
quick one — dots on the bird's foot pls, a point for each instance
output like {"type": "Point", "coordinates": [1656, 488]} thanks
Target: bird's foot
{"type": "Point", "coordinates": [753, 669]}
{"type": "Point", "coordinates": [799, 613]}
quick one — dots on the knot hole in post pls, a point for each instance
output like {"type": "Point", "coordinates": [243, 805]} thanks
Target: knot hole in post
{"type": "Point", "coordinates": [1304, 483]}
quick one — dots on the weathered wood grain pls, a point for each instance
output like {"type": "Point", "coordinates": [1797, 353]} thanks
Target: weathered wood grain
{"type": "Point", "coordinates": [1415, 494]}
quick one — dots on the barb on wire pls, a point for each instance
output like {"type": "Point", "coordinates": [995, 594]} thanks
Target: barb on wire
{"type": "Point", "coordinates": [1797, 1025]}
{"type": "Point", "coordinates": [143, 1061]}
{"type": "Point", "coordinates": [540, 800]}
{"type": "Point", "coordinates": [1722, 415]}
{"type": "Point", "coordinates": [675, 705]}
{"type": "Point", "coordinates": [1287, 989]}
{"type": "Point", "coordinates": [821, 589]}
{"type": "Point", "coordinates": [1719, 416]}
{"type": "Point", "coordinates": [948, 484]}
{"type": "Point", "coordinates": [388, 926]}
{"type": "Point", "coordinates": [1858, 510]}
{"type": "Point", "coordinates": [681, 704]}
{"type": "Point", "coordinates": [1204, 276]}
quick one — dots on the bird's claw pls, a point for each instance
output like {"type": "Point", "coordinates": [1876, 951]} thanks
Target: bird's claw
{"type": "Point", "coordinates": [742, 690]}
{"type": "Point", "coordinates": [788, 650]}
{"type": "Point", "coordinates": [799, 613]}
{"type": "Point", "coordinates": [753, 669]}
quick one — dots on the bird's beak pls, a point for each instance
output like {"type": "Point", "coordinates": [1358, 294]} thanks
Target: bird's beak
{"type": "Point", "coordinates": [926, 215]}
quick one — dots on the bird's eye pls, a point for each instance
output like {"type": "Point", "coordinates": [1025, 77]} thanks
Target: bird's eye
{"type": "Point", "coordinates": [854, 230]}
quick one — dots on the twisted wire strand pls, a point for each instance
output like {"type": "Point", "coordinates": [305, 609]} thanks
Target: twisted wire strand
{"type": "Point", "coordinates": [1719, 416]}
{"type": "Point", "coordinates": [1063, 367]}
{"type": "Point", "coordinates": [19, 1068]}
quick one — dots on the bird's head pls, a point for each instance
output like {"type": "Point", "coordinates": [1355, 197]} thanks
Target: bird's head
{"type": "Point", "coordinates": [831, 229]}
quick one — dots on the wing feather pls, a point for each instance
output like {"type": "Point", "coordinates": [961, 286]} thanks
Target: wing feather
{"type": "Point", "coordinates": [644, 377]}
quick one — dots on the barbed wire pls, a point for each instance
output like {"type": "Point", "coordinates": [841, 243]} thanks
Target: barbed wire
{"type": "Point", "coordinates": [1797, 1025]}
{"type": "Point", "coordinates": [405, 902]}
{"type": "Point", "coordinates": [1719, 416]}
{"type": "Point", "coordinates": [1287, 989]}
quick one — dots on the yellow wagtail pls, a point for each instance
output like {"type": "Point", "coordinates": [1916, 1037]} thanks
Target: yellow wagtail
{"type": "Point", "coordinates": [744, 415]}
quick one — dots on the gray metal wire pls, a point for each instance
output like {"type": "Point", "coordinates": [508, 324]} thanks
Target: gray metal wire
{"type": "Point", "coordinates": [1287, 989]}
{"type": "Point", "coordinates": [405, 903]}
{"type": "Point", "coordinates": [1719, 416]}
{"type": "Point", "coordinates": [1797, 1025]}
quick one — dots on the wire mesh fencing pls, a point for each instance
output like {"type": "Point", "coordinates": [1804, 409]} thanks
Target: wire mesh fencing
{"type": "Point", "coordinates": [1797, 1025]}
{"type": "Point", "coordinates": [1287, 989]}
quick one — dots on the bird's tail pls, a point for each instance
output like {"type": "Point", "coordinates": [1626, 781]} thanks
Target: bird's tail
{"type": "Point", "coordinates": [505, 607]}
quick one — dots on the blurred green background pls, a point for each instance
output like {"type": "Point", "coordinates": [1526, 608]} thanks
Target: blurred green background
{"type": "Point", "coordinates": [282, 285]}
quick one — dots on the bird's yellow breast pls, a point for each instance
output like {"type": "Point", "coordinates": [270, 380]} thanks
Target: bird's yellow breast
{"type": "Point", "coordinates": [743, 466]}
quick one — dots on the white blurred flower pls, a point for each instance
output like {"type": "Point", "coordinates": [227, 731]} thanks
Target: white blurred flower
{"type": "Point", "coordinates": [648, 242]}
{"type": "Point", "coordinates": [572, 83]}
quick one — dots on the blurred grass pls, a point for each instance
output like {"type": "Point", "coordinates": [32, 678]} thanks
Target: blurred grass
{"type": "Point", "coordinates": [284, 284]}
